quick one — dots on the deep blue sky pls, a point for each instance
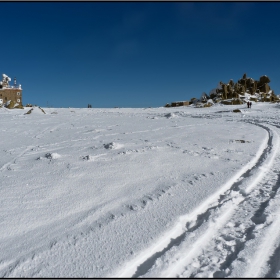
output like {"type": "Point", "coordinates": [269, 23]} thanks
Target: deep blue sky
{"type": "Point", "coordinates": [135, 54]}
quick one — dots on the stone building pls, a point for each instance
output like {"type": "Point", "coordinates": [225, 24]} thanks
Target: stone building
{"type": "Point", "coordinates": [179, 103]}
{"type": "Point", "coordinates": [10, 93]}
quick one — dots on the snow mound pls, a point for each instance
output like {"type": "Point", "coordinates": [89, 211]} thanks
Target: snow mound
{"type": "Point", "coordinates": [176, 114]}
{"type": "Point", "coordinates": [52, 156]}
{"type": "Point", "coordinates": [170, 115]}
{"type": "Point", "coordinates": [112, 146]}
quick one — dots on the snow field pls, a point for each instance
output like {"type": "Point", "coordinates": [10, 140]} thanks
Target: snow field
{"type": "Point", "coordinates": [138, 192]}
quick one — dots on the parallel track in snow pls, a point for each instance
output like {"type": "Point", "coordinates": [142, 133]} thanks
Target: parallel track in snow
{"type": "Point", "coordinates": [211, 241]}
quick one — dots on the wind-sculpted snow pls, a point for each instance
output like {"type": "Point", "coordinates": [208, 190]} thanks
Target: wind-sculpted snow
{"type": "Point", "coordinates": [148, 192]}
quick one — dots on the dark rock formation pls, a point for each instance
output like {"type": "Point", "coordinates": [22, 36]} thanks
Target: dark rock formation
{"type": "Point", "coordinates": [260, 90]}
{"type": "Point", "coordinates": [234, 93]}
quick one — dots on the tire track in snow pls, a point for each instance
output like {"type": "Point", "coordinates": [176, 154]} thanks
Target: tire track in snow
{"type": "Point", "coordinates": [274, 264]}
{"type": "Point", "coordinates": [268, 254]}
{"type": "Point", "coordinates": [235, 239]}
{"type": "Point", "coordinates": [251, 215]}
{"type": "Point", "coordinates": [232, 193]}
{"type": "Point", "coordinates": [265, 255]}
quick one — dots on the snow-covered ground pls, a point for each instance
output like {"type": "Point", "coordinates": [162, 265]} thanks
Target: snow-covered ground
{"type": "Point", "coordinates": [150, 192]}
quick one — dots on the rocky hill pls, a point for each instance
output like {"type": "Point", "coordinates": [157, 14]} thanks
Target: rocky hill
{"type": "Point", "coordinates": [245, 89]}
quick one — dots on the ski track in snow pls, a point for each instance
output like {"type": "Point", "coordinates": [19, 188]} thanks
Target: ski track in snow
{"type": "Point", "coordinates": [223, 235]}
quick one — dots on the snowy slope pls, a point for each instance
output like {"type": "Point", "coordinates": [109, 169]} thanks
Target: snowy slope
{"type": "Point", "coordinates": [149, 192]}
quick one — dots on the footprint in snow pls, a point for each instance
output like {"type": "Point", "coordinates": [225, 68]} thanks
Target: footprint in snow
{"type": "Point", "coordinates": [132, 207]}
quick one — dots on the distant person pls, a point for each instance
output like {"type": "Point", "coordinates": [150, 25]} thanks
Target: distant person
{"type": "Point", "coordinates": [248, 104]}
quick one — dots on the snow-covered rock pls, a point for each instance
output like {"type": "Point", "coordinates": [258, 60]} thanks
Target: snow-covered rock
{"type": "Point", "coordinates": [52, 155]}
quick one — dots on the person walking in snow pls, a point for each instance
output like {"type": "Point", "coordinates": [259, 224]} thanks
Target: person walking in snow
{"type": "Point", "coordinates": [248, 104]}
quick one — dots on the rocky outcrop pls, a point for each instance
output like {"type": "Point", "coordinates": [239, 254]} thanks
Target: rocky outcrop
{"type": "Point", "coordinates": [42, 110]}
{"type": "Point", "coordinates": [13, 105]}
{"type": "Point", "coordinates": [231, 93]}
{"type": "Point", "coordinates": [236, 111]}
{"type": "Point", "coordinates": [233, 101]}
{"type": "Point", "coordinates": [255, 90]}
